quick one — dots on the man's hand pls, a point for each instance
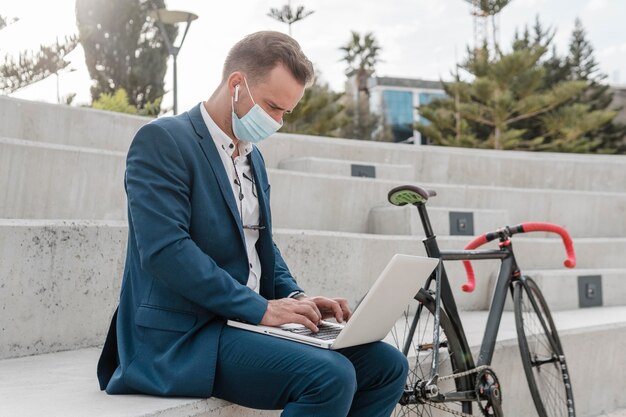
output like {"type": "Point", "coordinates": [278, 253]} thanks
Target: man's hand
{"type": "Point", "coordinates": [288, 310]}
{"type": "Point", "coordinates": [308, 311]}
{"type": "Point", "coordinates": [336, 308]}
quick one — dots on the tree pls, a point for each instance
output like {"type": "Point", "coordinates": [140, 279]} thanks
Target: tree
{"type": "Point", "coordinates": [289, 15]}
{"type": "Point", "coordinates": [4, 21]}
{"type": "Point", "coordinates": [487, 9]}
{"type": "Point", "coordinates": [31, 67]}
{"type": "Point", "coordinates": [578, 64]}
{"type": "Point", "coordinates": [320, 112]}
{"type": "Point", "coordinates": [123, 48]}
{"type": "Point", "coordinates": [361, 55]}
{"type": "Point", "coordinates": [581, 65]}
{"type": "Point", "coordinates": [525, 99]}
{"type": "Point", "coordinates": [503, 92]}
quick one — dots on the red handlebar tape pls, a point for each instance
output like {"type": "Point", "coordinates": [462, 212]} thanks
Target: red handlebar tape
{"type": "Point", "coordinates": [570, 262]}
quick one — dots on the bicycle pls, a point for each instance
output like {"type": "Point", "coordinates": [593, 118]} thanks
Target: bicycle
{"type": "Point", "coordinates": [443, 376]}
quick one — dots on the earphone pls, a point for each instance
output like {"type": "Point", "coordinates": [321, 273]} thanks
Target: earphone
{"type": "Point", "coordinates": [237, 92]}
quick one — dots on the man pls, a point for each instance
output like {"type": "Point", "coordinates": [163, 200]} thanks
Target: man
{"type": "Point", "coordinates": [200, 251]}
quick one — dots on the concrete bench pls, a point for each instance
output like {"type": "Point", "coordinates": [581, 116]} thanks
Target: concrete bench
{"type": "Point", "coordinates": [64, 384]}
{"type": "Point", "coordinates": [349, 168]}
{"type": "Point", "coordinates": [441, 164]}
{"type": "Point", "coordinates": [328, 202]}
{"type": "Point", "coordinates": [60, 279]}
{"type": "Point", "coordinates": [392, 220]}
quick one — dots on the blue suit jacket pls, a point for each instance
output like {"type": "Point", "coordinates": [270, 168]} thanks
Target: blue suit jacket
{"type": "Point", "coordinates": [186, 264]}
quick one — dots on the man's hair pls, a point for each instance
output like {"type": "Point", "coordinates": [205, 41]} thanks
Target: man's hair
{"type": "Point", "coordinates": [259, 53]}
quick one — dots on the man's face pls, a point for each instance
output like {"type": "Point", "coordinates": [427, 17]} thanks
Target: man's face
{"type": "Point", "coordinates": [277, 94]}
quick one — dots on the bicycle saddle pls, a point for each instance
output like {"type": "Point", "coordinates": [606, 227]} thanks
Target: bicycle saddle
{"type": "Point", "coordinates": [409, 194]}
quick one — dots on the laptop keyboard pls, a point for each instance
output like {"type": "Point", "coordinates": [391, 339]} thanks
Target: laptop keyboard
{"type": "Point", "coordinates": [326, 331]}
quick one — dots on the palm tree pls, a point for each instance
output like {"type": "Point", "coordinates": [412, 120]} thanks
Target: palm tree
{"type": "Point", "coordinates": [289, 15]}
{"type": "Point", "coordinates": [361, 54]}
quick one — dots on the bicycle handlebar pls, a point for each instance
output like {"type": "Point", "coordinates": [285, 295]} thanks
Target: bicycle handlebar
{"type": "Point", "coordinates": [570, 262]}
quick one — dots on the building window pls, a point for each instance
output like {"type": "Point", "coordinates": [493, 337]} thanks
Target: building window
{"type": "Point", "coordinates": [398, 107]}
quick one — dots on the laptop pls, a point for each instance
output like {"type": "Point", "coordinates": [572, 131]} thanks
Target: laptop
{"type": "Point", "coordinates": [376, 314]}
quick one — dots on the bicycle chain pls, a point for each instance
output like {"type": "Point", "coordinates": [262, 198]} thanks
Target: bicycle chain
{"type": "Point", "coordinates": [454, 376]}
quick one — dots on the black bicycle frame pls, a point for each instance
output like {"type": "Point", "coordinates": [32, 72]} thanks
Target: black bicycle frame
{"type": "Point", "coordinates": [508, 271]}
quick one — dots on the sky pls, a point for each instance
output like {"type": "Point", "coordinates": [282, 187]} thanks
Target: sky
{"type": "Point", "coordinates": [419, 38]}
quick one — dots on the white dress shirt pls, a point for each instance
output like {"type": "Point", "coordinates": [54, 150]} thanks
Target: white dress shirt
{"type": "Point", "coordinates": [239, 171]}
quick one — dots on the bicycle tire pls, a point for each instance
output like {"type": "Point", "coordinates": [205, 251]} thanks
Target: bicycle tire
{"type": "Point", "coordinates": [542, 353]}
{"type": "Point", "coordinates": [452, 358]}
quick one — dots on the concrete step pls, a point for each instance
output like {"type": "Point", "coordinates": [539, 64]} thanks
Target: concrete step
{"type": "Point", "coordinates": [605, 326]}
{"type": "Point", "coordinates": [560, 287]}
{"type": "Point", "coordinates": [59, 181]}
{"type": "Point", "coordinates": [392, 220]}
{"type": "Point", "coordinates": [328, 202]}
{"type": "Point", "coordinates": [65, 125]}
{"type": "Point", "coordinates": [50, 181]}
{"type": "Point", "coordinates": [76, 126]}
{"type": "Point", "coordinates": [64, 384]}
{"type": "Point", "coordinates": [61, 279]}
{"type": "Point", "coordinates": [349, 168]}
{"type": "Point", "coordinates": [440, 164]}
{"type": "Point", "coordinates": [592, 340]}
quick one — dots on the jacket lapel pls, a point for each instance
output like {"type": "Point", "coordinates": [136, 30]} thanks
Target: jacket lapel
{"type": "Point", "coordinates": [211, 153]}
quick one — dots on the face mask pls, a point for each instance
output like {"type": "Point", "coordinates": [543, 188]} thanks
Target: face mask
{"type": "Point", "coordinates": [255, 125]}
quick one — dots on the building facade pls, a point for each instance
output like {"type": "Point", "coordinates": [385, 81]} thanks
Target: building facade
{"type": "Point", "coordinates": [398, 101]}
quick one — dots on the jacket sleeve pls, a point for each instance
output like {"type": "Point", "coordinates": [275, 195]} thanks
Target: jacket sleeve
{"type": "Point", "coordinates": [158, 190]}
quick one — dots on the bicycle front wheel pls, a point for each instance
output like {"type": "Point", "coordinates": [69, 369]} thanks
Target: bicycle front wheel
{"type": "Point", "coordinates": [418, 346]}
{"type": "Point", "coordinates": [541, 351]}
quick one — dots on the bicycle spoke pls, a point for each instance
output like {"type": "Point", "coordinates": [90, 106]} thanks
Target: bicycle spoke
{"type": "Point", "coordinates": [541, 355]}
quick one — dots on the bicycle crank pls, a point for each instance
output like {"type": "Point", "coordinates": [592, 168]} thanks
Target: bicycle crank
{"type": "Point", "coordinates": [489, 393]}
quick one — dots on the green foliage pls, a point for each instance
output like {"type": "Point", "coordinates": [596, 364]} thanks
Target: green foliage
{"type": "Point", "coordinates": [31, 67]}
{"type": "Point", "coordinates": [319, 113]}
{"type": "Point", "coordinates": [526, 99]}
{"type": "Point", "coordinates": [123, 49]}
{"type": "Point", "coordinates": [289, 15]}
{"type": "Point", "coordinates": [361, 54]}
{"type": "Point", "coordinates": [119, 102]}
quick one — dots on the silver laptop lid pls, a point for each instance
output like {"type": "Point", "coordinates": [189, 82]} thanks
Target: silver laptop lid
{"type": "Point", "coordinates": [401, 279]}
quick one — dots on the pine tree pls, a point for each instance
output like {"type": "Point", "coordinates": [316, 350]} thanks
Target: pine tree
{"type": "Point", "coordinates": [31, 67]}
{"type": "Point", "coordinates": [319, 113]}
{"type": "Point", "coordinates": [123, 49]}
{"type": "Point", "coordinates": [581, 65]}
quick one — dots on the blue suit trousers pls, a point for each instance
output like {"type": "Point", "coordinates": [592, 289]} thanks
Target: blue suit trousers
{"type": "Point", "coordinates": [264, 372]}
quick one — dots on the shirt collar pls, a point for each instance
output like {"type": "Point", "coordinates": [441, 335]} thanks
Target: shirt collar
{"type": "Point", "coordinates": [221, 139]}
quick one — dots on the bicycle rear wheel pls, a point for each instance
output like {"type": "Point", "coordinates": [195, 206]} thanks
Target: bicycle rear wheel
{"type": "Point", "coordinates": [541, 351]}
{"type": "Point", "coordinates": [419, 349]}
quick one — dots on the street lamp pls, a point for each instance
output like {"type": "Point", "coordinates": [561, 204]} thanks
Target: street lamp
{"type": "Point", "coordinates": [172, 17]}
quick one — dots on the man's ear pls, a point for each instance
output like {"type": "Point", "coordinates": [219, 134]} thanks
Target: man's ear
{"type": "Point", "coordinates": [234, 81]}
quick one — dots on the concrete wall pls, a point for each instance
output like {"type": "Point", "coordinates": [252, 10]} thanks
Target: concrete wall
{"type": "Point", "coordinates": [59, 284]}
{"type": "Point", "coordinates": [435, 164]}
{"type": "Point", "coordinates": [49, 181]}
{"type": "Point", "coordinates": [65, 125]}
{"type": "Point", "coordinates": [22, 119]}
{"type": "Point", "coordinates": [324, 202]}
{"type": "Point", "coordinates": [59, 280]}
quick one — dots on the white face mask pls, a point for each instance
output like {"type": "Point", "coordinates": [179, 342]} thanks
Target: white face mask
{"type": "Point", "coordinates": [254, 126]}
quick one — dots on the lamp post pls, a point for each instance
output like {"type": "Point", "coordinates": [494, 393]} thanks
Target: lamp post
{"type": "Point", "coordinates": [172, 17]}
